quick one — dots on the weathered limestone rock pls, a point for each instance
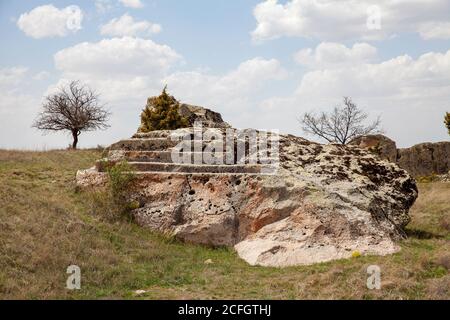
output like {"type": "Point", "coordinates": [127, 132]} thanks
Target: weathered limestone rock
{"type": "Point", "coordinates": [323, 202]}
{"type": "Point", "coordinates": [421, 160]}
{"type": "Point", "coordinates": [378, 144]}
{"type": "Point", "coordinates": [445, 177]}
{"type": "Point", "coordinates": [425, 159]}
{"type": "Point", "coordinates": [208, 117]}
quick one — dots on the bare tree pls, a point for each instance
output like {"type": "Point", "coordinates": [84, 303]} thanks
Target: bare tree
{"type": "Point", "coordinates": [74, 108]}
{"type": "Point", "coordinates": [341, 125]}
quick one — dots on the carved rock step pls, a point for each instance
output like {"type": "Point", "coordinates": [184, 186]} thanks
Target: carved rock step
{"type": "Point", "coordinates": [144, 144]}
{"type": "Point", "coordinates": [143, 174]}
{"type": "Point", "coordinates": [155, 144]}
{"type": "Point", "coordinates": [184, 132]}
{"type": "Point", "coordinates": [153, 134]}
{"type": "Point", "coordinates": [187, 157]}
{"type": "Point", "coordinates": [190, 168]}
{"type": "Point", "coordinates": [164, 144]}
{"type": "Point", "coordinates": [168, 134]}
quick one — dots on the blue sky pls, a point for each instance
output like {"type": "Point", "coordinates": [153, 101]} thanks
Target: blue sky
{"type": "Point", "coordinates": [260, 63]}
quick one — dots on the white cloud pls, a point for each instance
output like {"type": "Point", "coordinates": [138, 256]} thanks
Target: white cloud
{"type": "Point", "coordinates": [412, 95]}
{"type": "Point", "coordinates": [401, 77]}
{"type": "Point", "coordinates": [235, 94]}
{"type": "Point", "coordinates": [132, 68]}
{"type": "Point", "coordinates": [49, 21]}
{"type": "Point", "coordinates": [127, 26]}
{"type": "Point", "coordinates": [103, 6]}
{"type": "Point", "coordinates": [13, 103]}
{"type": "Point", "coordinates": [248, 77]}
{"type": "Point", "coordinates": [330, 54]}
{"type": "Point", "coordinates": [12, 75]}
{"type": "Point", "coordinates": [117, 56]}
{"type": "Point", "coordinates": [120, 68]}
{"type": "Point", "coordinates": [346, 19]}
{"type": "Point", "coordinates": [41, 75]}
{"type": "Point", "coordinates": [19, 103]}
{"type": "Point", "coordinates": [132, 3]}
{"type": "Point", "coordinates": [435, 30]}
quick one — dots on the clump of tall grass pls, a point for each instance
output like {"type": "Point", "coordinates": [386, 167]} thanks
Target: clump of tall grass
{"type": "Point", "coordinates": [114, 202]}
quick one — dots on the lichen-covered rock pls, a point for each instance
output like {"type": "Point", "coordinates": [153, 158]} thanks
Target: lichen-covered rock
{"type": "Point", "coordinates": [208, 118]}
{"type": "Point", "coordinates": [378, 144]}
{"type": "Point", "coordinates": [421, 160]}
{"type": "Point", "coordinates": [425, 159]}
{"type": "Point", "coordinates": [324, 202]}
{"type": "Point", "coordinates": [445, 177]}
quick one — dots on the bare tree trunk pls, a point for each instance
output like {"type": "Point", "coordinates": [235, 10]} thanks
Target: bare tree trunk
{"type": "Point", "coordinates": [75, 139]}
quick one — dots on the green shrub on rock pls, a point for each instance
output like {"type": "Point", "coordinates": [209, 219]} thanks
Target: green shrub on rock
{"type": "Point", "coordinates": [113, 202]}
{"type": "Point", "coordinates": [121, 175]}
{"type": "Point", "coordinates": [161, 113]}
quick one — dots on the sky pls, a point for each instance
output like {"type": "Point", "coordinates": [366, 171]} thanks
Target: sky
{"type": "Point", "coordinates": [261, 64]}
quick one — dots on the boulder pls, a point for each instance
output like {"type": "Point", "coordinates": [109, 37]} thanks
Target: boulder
{"type": "Point", "coordinates": [421, 160]}
{"type": "Point", "coordinates": [316, 203]}
{"type": "Point", "coordinates": [288, 201]}
{"type": "Point", "coordinates": [425, 159]}
{"type": "Point", "coordinates": [378, 144]}
{"type": "Point", "coordinates": [209, 118]}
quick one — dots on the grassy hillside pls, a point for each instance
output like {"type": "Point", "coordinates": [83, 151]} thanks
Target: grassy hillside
{"type": "Point", "coordinates": [47, 225]}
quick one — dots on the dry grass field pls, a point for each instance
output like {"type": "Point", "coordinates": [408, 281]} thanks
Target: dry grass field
{"type": "Point", "coordinates": [46, 224]}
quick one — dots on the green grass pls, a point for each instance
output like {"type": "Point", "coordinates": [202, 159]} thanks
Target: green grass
{"type": "Point", "coordinates": [46, 224]}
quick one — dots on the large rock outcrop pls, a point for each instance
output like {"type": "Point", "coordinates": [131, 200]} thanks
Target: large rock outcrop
{"type": "Point", "coordinates": [207, 117]}
{"type": "Point", "coordinates": [425, 159]}
{"type": "Point", "coordinates": [378, 144]}
{"type": "Point", "coordinates": [315, 203]}
{"type": "Point", "coordinates": [421, 160]}
{"type": "Point", "coordinates": [192, 114]}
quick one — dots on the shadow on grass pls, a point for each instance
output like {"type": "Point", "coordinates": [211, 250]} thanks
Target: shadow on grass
{"type": "Point", "coordinates": [422, 234]}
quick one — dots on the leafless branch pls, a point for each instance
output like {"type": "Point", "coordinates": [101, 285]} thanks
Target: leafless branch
{"type": "Point", "coordinates": [341, 125]}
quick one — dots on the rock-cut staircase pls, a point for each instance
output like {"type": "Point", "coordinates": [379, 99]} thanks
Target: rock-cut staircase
{"type": "Point", "coordinates": [323, 203]}
{"type": "Point", "coordinates": [160, 152]}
